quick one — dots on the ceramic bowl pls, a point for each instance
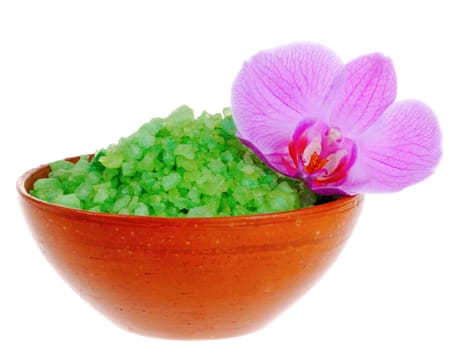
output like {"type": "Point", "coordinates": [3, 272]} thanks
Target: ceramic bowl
{"type": "Point", "coordinates": [189, 278]}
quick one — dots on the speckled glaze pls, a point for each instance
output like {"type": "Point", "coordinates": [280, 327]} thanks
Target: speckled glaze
{"type": "Point", "coordinates": [195, 278]}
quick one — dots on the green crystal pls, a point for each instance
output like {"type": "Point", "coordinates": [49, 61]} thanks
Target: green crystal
{"type": "Point", "coordinates": [129, 168]}
{"type": "Point", "coordinates": [171, 180]}
{"type": "Point", "coordinates": [202, 211]}
{"type": "Point", "coordinates": [121, 203]}
{"type": "Point", "coordinates": [112, 160]}
{"type": "Point", "coordinates": [68, 200]}
{"type": "Point", "coordinates": [141, 209]}
{"type": "Point", "coordinates": [47, 189]}
{"type": "Point", "coordinates": [185, 150]}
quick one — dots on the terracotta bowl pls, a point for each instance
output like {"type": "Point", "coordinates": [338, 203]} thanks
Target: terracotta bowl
{"type": "Point", "coordinates": [189, 278]}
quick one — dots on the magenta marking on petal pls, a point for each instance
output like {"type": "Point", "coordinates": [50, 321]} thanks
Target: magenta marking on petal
{"type": "Point", "coordinates": [370, 87]}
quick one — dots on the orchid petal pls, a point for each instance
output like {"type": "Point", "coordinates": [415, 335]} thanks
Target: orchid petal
{"type": "Point", "coordinates": [370, 87]}
{"type": "Point", "coordinates": [402, 148]}
{"type": "Point", "coordinates": [278, 88]}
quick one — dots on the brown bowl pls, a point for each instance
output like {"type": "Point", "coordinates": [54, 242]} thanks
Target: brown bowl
{"type": "Point", "coordinates": [189, 278]}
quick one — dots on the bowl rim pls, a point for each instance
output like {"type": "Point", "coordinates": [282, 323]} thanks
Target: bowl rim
{"type": "Point", "coordinates": [341, 204]}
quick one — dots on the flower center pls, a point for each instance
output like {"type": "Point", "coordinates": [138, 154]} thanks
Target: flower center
{"type": "Point", "coordinates": [315, 163]}
{"type": "Point", "coordinates": [320, 154]}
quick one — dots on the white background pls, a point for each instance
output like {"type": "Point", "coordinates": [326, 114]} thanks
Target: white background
{"type": "Point", "coordinates": [76, 76]}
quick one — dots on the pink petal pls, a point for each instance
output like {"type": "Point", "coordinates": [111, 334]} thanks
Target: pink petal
{"type": "Point", "coordinates": [370, 87]}
{"type": "Point", "coordinates": [402, 148]}
{"type": "Point", "coordinates": [278, 88]}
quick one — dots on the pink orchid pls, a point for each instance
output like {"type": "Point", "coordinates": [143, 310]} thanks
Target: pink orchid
{"type": "Point", "coordinates": [333, 125]}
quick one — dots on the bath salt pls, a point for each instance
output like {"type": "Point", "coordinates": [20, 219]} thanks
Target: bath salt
{"type": "Point", "coordinates": [179, 166]}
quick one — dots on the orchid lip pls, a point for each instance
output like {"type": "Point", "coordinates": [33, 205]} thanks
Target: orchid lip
{"type": "Point", "coordinates": [320, 155]}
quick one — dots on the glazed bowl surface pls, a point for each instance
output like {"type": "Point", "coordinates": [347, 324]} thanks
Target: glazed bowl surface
{"type": "Point", "coordinates": [188, 278]}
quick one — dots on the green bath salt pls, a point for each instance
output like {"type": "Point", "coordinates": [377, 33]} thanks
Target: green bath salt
{"type": "Point", "coordinates": [179, 166]}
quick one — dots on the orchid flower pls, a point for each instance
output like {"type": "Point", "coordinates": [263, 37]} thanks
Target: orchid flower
{"type": "Point", "coordinates": [333, 125]}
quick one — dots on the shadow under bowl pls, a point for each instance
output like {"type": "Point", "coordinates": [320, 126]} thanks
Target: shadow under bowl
{"type": "Point", "coordinates": [188, 278]}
